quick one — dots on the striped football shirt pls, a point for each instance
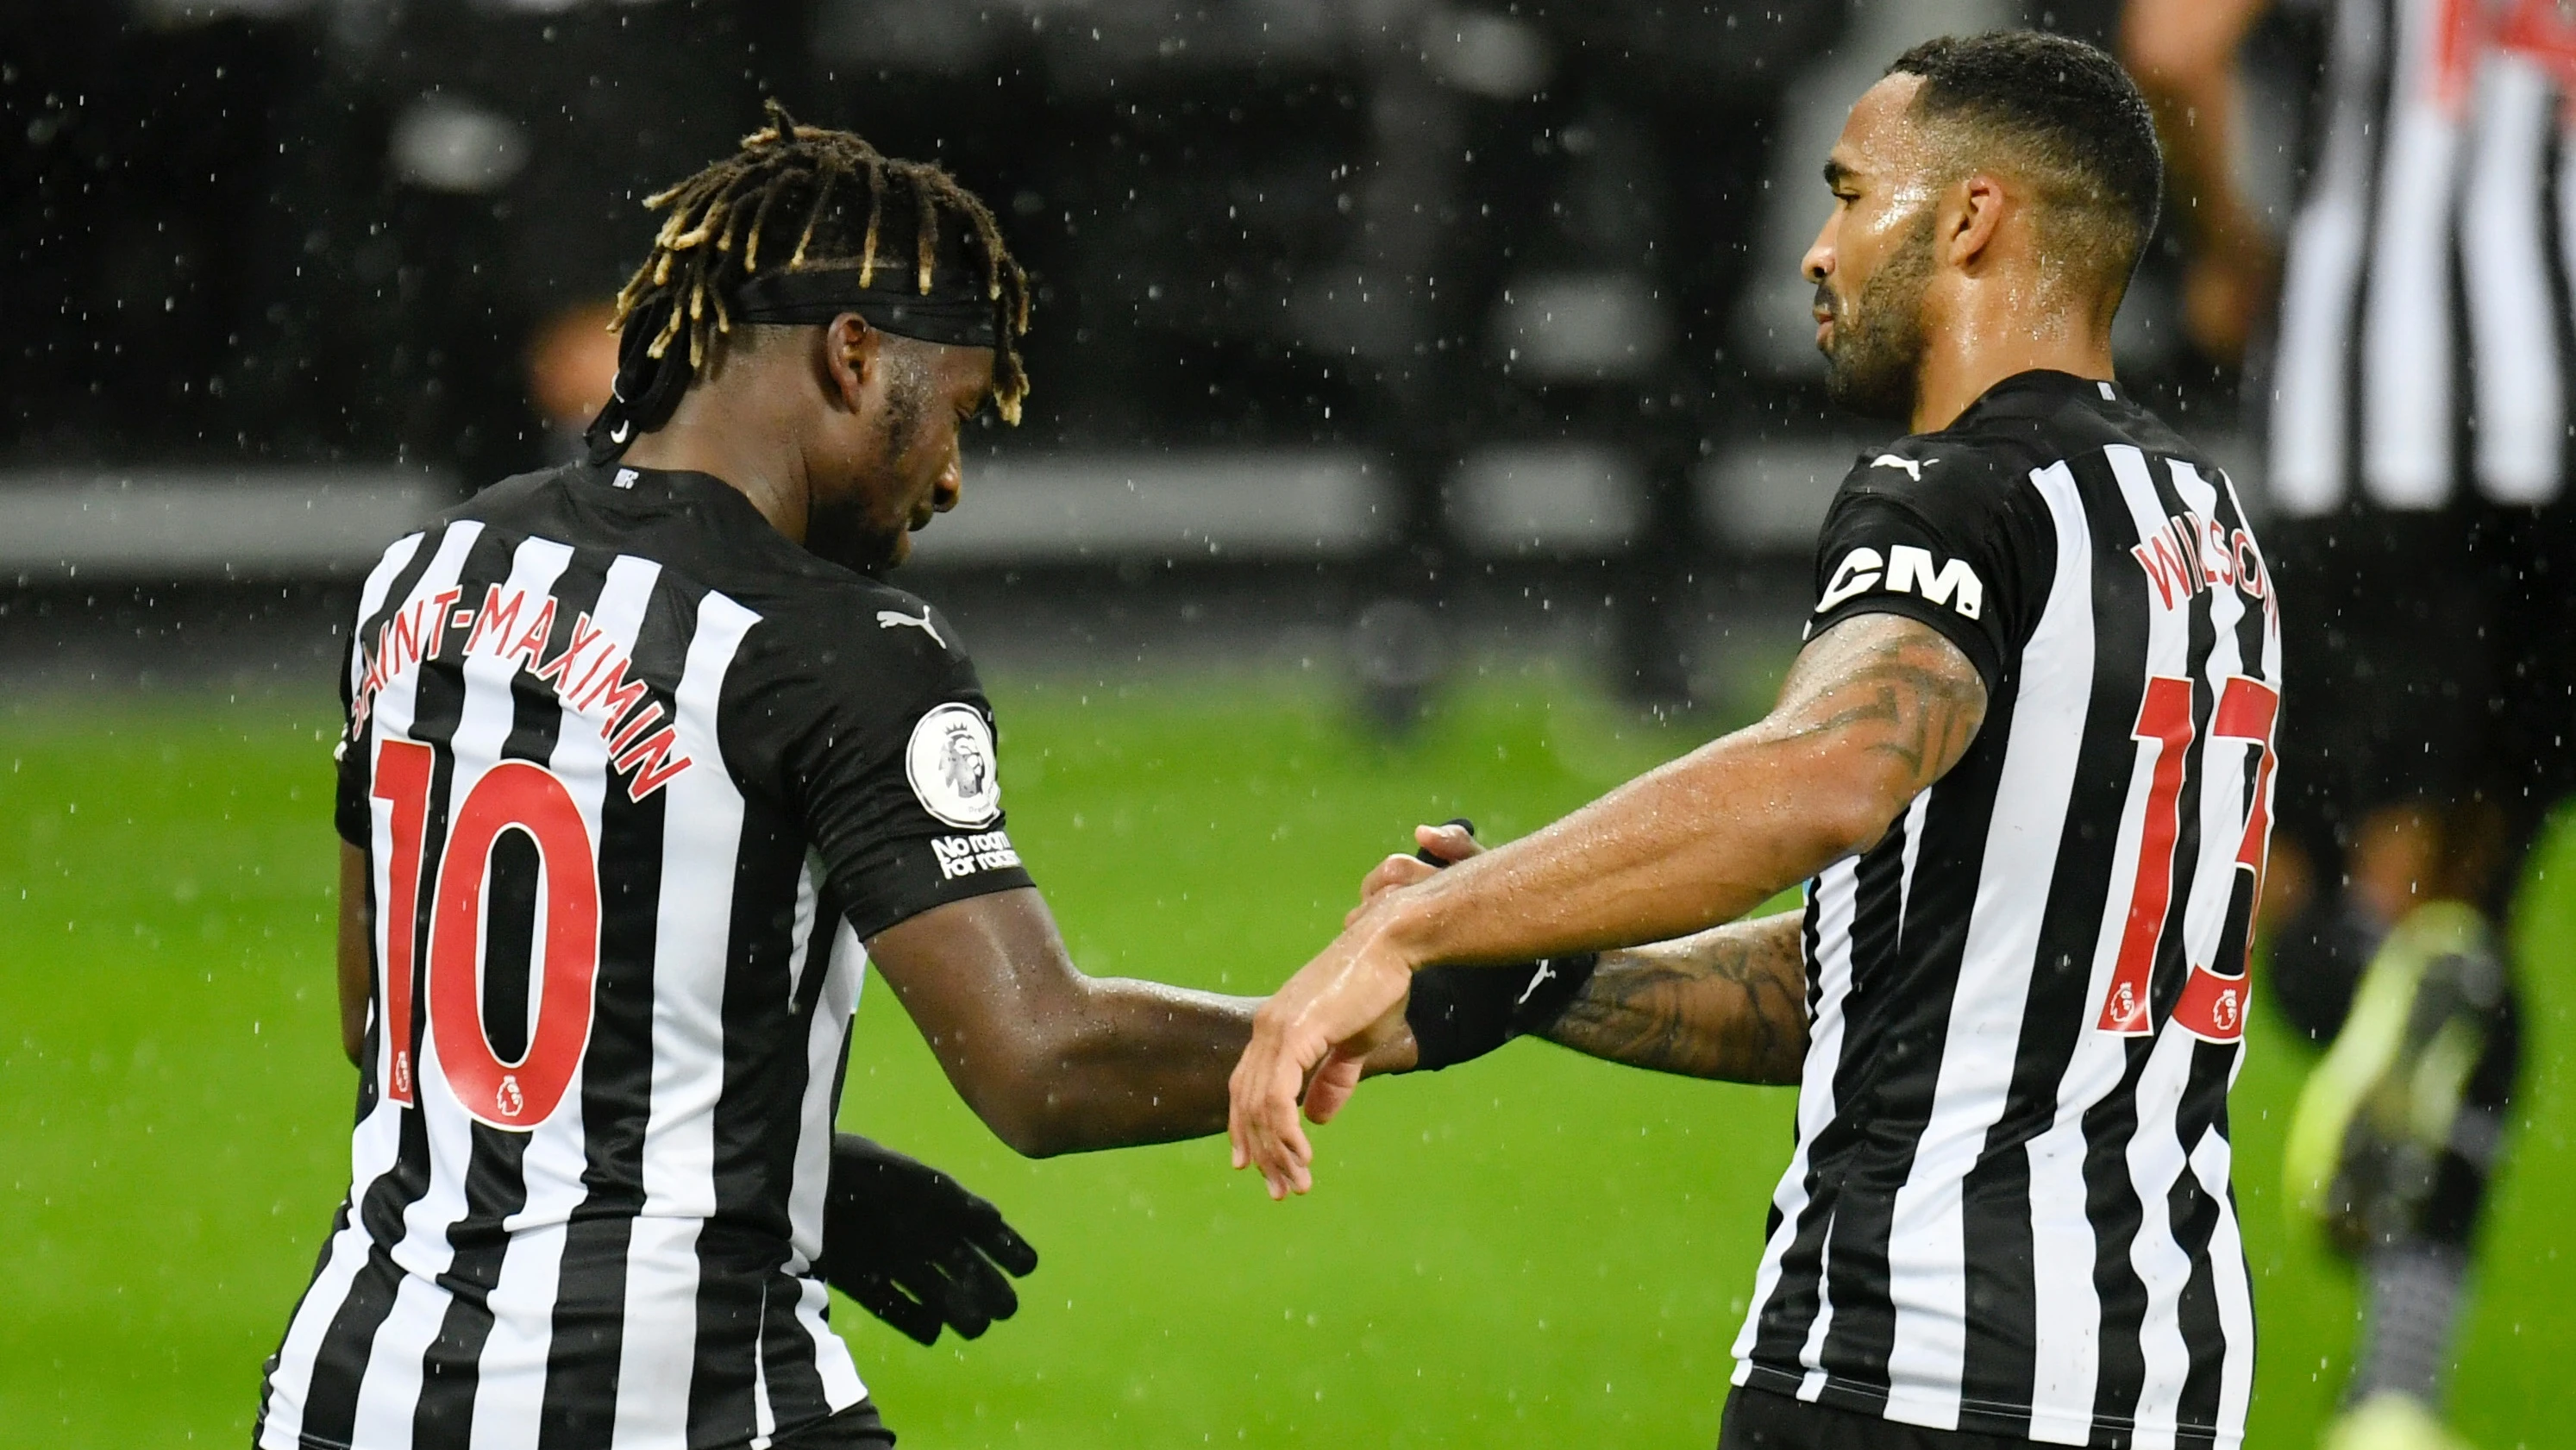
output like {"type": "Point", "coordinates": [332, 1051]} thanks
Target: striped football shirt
{"type": "Point", "coordinates": [634, 777]}
{"type": "Point", "coordinates": [2008, 1209]}
{"type": "Point", "coordinates": [2427, 338]}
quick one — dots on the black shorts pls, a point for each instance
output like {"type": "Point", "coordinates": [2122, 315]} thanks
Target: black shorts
{"type": "Point", "coordinates": [1761, 1420]}
{"type": "Point", "coordinates": [2428, 657]}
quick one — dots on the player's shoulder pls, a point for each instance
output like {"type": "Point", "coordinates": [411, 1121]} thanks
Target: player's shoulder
{"type": "Point", "coordinates": [840, 650]}
{"type": "Point", "coordinates": [1986, 463]}
{"type": "Point", "coordinates": [1948, 525]}
{"type": "Point", "coordinates": [1930, 465]}
{"type": "Point", "coordinates": [2040, 419]}
{"type": "Point", "coordinates": [836, 661]}
{"type": "Point", "coordinates": [838, 617]}
{"type": "Point", "coordinates": [1953, 478]}
{"type": "Point", "coordinates": [517, 507]}
{"type": "Point", "coordinates": [522, 500]}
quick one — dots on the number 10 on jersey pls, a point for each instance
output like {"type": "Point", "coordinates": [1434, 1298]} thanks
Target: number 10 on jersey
{"type": "Point", "coordinates": [514, 795]}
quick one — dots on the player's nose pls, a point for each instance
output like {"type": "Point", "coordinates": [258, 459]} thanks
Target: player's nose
{"type": "Point", "coordinates": [951, 483]}
{"type": "Point", "coordinates": [1818, 264]}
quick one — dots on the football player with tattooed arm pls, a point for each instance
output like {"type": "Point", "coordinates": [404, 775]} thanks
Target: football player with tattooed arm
{"type": "Point", "coordinates": [646, 767]}
{"type": "Point", "coordinates": [2022, 765]}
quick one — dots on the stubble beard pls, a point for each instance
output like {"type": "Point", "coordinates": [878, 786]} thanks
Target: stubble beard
{"type": "Point", "coordinates": [1874, 363]}
{"type": "Point", "coordinates": [848, 531]}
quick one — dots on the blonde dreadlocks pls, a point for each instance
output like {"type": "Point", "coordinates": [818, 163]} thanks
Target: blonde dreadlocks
{"type": "Point", "coordinates": [779, 194]}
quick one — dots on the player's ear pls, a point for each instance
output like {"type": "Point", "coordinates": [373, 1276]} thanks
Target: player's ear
{"type": "Point", "coordinates": [1970, 217]}
{"type": "Point", "coordinates": [852, 358]}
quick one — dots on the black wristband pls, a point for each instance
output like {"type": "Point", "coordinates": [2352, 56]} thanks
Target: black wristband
{"type": "Point", "coordinates": [1459, 1014]}
{"type": "Point", "coordinates": [1553, 985]}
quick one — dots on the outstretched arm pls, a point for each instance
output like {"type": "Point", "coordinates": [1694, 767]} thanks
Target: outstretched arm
{"type": "Point", "coordinates": [1729, 1003]}
{"type": "Point", "coordinates": [1052, 1060]}
{"type": "Point", "coordinates": [2183, 53]}
{"type": "Point", "coordinates": [1876, 709]}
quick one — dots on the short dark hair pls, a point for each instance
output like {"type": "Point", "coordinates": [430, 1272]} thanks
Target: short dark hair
{"type": "Point", "coordinates": [2071, 117]}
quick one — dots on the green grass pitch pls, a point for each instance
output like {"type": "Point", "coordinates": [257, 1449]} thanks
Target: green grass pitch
{"type": "Point", "coordinates": [1534, 1250]}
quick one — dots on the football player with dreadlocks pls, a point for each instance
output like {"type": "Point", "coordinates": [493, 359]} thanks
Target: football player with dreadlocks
{"type": "Point", "coordinates": [644, 765]}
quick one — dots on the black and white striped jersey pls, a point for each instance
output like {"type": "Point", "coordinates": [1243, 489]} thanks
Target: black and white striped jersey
{"type": "Point", "coordinates": [2008, 1209]}
{"type": "Point", "coordinates": [2427, 341]}
{"type": "Point", "coordinates": [635, 777]}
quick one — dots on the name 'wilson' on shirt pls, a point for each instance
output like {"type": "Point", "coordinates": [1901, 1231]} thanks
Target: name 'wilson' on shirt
{"type": "Point", "coordinates": [2192, 553]}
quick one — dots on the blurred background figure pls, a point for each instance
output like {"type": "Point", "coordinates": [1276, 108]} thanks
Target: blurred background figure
{"type": "Point", "coordinates": [2416, 390]}
{"type": "Point", "coordinates": [327, 230]}
{"type": "Point", "coordinates": [1604, 185]}
{"type": "Point", "coordinates": [572, 365]}
{"type": "Point", "coordinates": [450, 203]}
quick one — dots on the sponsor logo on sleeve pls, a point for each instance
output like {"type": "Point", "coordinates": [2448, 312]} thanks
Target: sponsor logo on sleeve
{"type": "Point", "coordinates": [950, 765]}
{"type": "Point", "coordinates": [1905, 569]}
{"type": "Point", "coordinates": [966, 855]}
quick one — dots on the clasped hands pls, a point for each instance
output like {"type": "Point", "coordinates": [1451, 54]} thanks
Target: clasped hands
{"type": "Point", "coordinates": [1341, 1017]}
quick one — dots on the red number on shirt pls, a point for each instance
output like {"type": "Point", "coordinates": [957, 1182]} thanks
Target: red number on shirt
{"type": "Point", "coordinates": [2247, 710]}
{"type": "Point", "coordinates": [2211, 1006]}
{"type": "Point", "coordinates": [2468, 31]}
{"type": "Point", "coordinates": [2164, 718]}
{"type": "Point", "coordinates": [512, 796]}
{"type": "Point", "coordinates": [402, 778]}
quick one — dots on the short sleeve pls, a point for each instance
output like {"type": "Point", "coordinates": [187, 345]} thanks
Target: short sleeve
{"type": "Point", "coordinates": [1943, 536]}
{"type": "Point", "coordinates": [349, 811]}
{"type": "Point", "coordinates": [886, 750]}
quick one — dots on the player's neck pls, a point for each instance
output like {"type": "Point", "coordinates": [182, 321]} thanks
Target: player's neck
{"type": "Point", "coordinates": [753, 456]}
{"type": "Point", "coordinates": [1992, 333]}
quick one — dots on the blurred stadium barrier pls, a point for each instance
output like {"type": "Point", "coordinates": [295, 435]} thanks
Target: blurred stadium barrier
{"type": "Point", "coordinates": [1509, 501]}
{"type": "Point", "coordinates": [183, 525]}
{"type": "Point", "coordinates": [1072, 509]}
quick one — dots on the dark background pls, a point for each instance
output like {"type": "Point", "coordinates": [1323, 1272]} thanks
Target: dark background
{"type": "Point", "coordinates": [1458, 242]}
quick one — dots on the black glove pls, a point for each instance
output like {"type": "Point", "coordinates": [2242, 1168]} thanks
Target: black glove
{"type": "Point", "coordinates": [913, 1247]}
{"type": "Point", "coordinates": [1459, 1014]}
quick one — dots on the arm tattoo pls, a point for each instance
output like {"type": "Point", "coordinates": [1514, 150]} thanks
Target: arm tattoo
{"type": "Point", "coordinates": [1892, 684]}
{"type": "Point", "coordinates": [1729, 1003]}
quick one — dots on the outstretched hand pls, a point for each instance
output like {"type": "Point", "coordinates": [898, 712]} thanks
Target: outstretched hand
{"type": "Point", "coordinates": [1339, 1018]}
{"type": "Point", "coordinates": [1324, 1022]}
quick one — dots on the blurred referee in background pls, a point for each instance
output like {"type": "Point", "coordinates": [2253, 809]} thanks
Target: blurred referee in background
{"type": "Point", "coordinates": [2419, 408]}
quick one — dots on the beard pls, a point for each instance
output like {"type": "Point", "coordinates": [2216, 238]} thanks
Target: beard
{"type": "Point", "coordinates": [851, 530]}
{"type": "Point", "coordinates": [845, 532]}
{"type": "Point", "coordinates": [1874, 362]}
